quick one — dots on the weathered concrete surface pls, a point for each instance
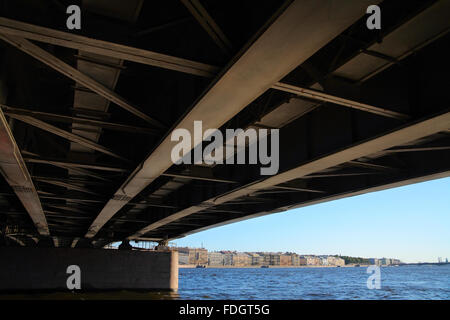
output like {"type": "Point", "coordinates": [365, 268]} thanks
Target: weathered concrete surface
{"type": "Point", "coordinates": [101, 269]}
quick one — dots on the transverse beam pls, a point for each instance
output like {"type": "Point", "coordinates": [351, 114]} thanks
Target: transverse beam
{"type": "Point", "coordinates": [72, 73]}
{"type": "Point", "coordinates": [104, 48]}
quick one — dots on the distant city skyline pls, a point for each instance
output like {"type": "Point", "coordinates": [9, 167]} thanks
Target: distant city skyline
{"type": "Point", "coordinates": [410, 223]}
{"type": "Point", "coordinates": [147, 245]}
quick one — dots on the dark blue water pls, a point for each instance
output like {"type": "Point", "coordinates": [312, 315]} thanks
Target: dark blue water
{"type": "Point", "coordinates": [406, 282]}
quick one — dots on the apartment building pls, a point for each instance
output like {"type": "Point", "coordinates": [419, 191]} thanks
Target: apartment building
{"type": "Point", "coordinates": [216, 259]}
{"type": "Point", "coordinates": [241, 260]}
{"type": "Point", "coordinates": [335, 261]}
{"type": "Point", "coordinates": [193, 256]}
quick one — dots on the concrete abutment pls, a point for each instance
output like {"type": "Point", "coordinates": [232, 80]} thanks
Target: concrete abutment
{"type": "Point", "coordinates": [25, 269]}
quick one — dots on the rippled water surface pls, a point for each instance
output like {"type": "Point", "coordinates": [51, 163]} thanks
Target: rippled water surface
{"type": "Point", "coordinates": [405, 282]}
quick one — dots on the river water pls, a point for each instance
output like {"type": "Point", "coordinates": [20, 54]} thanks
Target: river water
{"type": "Point", "coordinates": [347, 283]}
{"type": "Point", "coordinates": [404, 282]}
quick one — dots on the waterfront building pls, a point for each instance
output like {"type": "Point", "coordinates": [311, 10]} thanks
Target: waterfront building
{"type": "Point", "coordinates": [200, 256]}
{"type": "Point", "coordinates": [295, 259]}
{"type": "Point", "coordinates": [257, 259]}
{"type": "Point", "coordinates": [266, 258]}
{"type": "Point", "coordinates": [216, 259]}
{"type": "Point", "coordinates": [335, 261]}
{"type": "Point", "coordinates": [227, 258]}
{"type": "Point", "coordinates": [384, 261]}
{"type": "Point", "coordinates": [183, 258]}
{"type": "Point", "coordinates": [241, 260]}
{"type": "Point", "coordinates": [194, 255]}
{"type": "Point", "coordinates": [302, 261]}
{"type": "Point", "coordinates": [285, 260]}
{"type": "Point", "coordinates": [313, 261]}
{"type": "Point", "coordinates": [272, 259]}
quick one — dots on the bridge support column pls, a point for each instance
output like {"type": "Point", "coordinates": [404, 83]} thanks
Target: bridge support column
{"type": "Point", "coordinates": [25, 269]}
{"type": "Point", "coordinates": [163, 245]}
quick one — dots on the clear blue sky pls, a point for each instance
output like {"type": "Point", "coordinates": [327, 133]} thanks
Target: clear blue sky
{"type": "Point", "coordinates": [411, 223]}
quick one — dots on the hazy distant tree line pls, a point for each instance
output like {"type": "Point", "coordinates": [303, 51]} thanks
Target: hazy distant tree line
{"type": "Point", "coordinates": [356, 260]}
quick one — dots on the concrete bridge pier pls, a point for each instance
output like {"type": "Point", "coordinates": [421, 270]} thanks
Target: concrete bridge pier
{"type": "Point", "coordinates": [42, 269]}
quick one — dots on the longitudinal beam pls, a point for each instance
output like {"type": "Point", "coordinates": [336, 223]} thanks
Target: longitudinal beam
{"type": "Point", "coordinates": [321, 96]}
{"type": "Point", "coordinates": [15, 172]}
{"type": "Point", "coordinates": [272, 55]}
{"type": "Point", "coordinates": [66, 135]}
{"type": "Point", "coordinates": [401, 136]}
{"type": "Point", "coordinates": [104, 48]}
{"type": "Point", "coordinates": [72, 73]}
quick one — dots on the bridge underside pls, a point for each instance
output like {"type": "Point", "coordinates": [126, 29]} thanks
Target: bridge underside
{"type": "Point", "coordinates": [87, 114]}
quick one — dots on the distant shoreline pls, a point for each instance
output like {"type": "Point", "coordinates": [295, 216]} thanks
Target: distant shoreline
{"type": "Point", "coordinates": [191, 266]}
